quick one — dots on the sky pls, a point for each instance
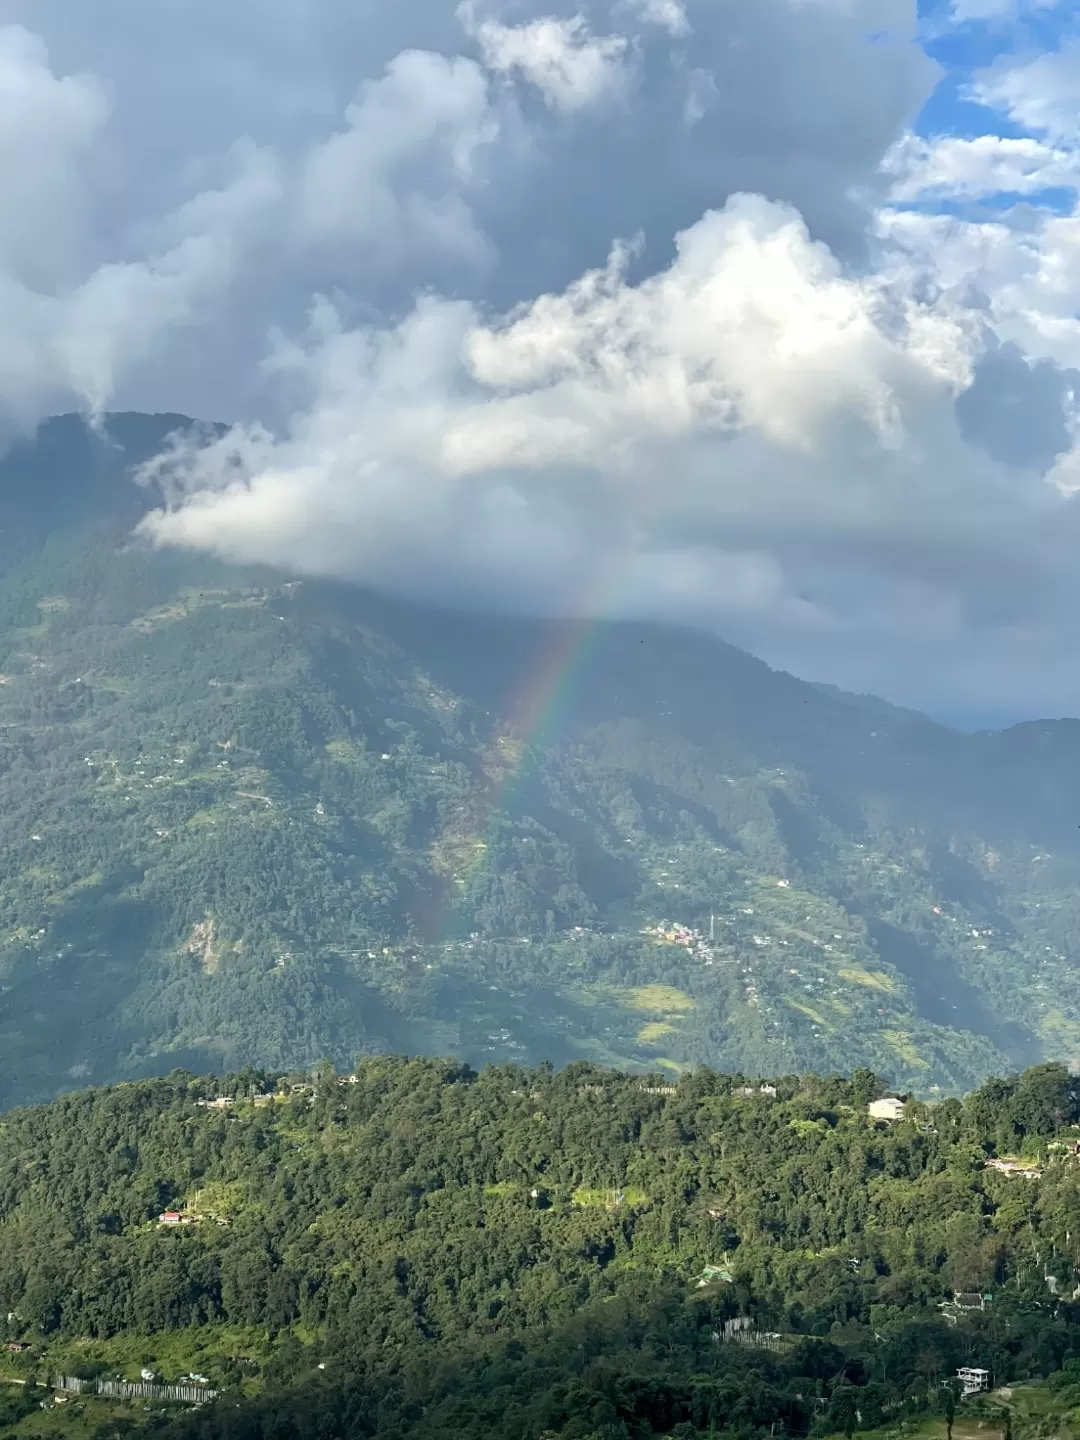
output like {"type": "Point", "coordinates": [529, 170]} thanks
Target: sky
{"type": "Point", "coordinates": [762, 315]}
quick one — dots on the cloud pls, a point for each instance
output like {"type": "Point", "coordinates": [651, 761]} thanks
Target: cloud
{"type": "Point", "coordinates": [951, 167]}
{"type": "Point", "coordinates": [361, 187]}
{"type": "Point", "coordinates": [670, 14]}
{"type": "Point", "coordinates": [49, 125]}
{"type": "Point", "coordinates": [397, 162]}
{"type": "Point", "coordinates": [572, 69]}
{"type": "Point", "coordinates": [751, 438]}
{"type": "Point", "coordinates": [1041, 94]}
{"type": "Point", "coordinates": [1022, 279]}
{"type": "Point", "coordinates": [380, 239]}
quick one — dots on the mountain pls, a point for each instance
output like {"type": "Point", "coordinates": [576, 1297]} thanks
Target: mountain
{"type": "Point", "coordinates": [418, 1251]}
{"type": "Point", "coordinates": [247, 818]}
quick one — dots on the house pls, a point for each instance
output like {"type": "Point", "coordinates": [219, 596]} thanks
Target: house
{"type": "Point", "coordinates": [889, 1108]}
{"type": "Point", "coordinates": [972, 1381]}
{"type": "Point", "coordinates": [713, 1274]}
{"type": "Point", "coordinates": [963, 1303]}
{"type": "Point", "coordinates": [170, 1217]}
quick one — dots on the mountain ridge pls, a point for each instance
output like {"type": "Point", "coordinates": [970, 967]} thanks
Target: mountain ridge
{"type": "Point", "coordinates": [251, 817]}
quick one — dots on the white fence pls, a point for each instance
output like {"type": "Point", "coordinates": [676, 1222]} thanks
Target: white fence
{"type": "Point", "coordinates": [135, 1390]}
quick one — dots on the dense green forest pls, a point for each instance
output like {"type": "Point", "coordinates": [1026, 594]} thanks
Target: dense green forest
{"type": "Point", "coordinates": [423, 1250]}
{"type": "Point", "coordinates": [252, 819]}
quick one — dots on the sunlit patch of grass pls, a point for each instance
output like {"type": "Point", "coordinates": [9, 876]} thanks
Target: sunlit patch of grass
{"type": "Point", "coordinates": [610, 1198]}
{"type": "Point", "coordinates": [808, 1010]}
{"type": "Point", "coordinates": [902, 1043]}
{"type": "Point", "coordinates": [660, 1000]}
{"type": "Point", "coordinates": [871, 979]}
{"type": "Point", "coordinates": [654, 1032]}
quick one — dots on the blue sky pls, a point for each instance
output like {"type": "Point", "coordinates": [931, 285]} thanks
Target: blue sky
{"type": "Point", "coordinates": [966, 47]}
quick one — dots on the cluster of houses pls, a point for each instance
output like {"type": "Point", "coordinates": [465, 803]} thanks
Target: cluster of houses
{"type": "Point", "coordinates": [300, 1087]}
{"type": "Point", "coordinates": [169, 1218]}
{"type": "Point", "coordinates": [672, 933]}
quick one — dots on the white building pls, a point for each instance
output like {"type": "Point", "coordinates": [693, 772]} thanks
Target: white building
{"type": "Point", "coordinates": [887, 1109]}
{"type": "Point", "coordinates": [972, 1382]}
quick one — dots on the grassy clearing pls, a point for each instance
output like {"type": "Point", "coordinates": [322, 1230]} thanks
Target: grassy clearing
{"type": "Point", "coordinates": [808, 1010]}
{"type": "Point", "coordinates": [204, 1350]}
{"type": "Point", "coordinates": [934, 1428]}
{"type": "Point", "coordinates": [902, 1043]}
{"type": "Point", "coordinates": [660, 1000]}
{"type": "Point", "coordinates": [654, 1032]}
{"type": "Point", "coordinates": [871, 979]}
{"type": "Point", "coordinates": [591, 1196]}
{"type": "Point", "coordinates": [74, 1419]}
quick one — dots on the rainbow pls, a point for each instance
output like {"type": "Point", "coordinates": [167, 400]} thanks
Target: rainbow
{"type": "Point", "coordinates": [536, 713]}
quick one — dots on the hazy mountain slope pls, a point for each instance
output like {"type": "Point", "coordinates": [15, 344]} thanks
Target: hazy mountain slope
{"type": "Point", "coordinates": [248, 818]}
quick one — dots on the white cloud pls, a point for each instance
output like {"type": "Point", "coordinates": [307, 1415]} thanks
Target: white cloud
{"type": "Point", "coordinates": [48, 126]}
{"type": "Point", "coordinates": [653, 432]}
{"type": "Point", "coordinates": [949, 167]}
{"type": "Point", "coordinates": [753, 327]}
{"type": "Point", "coordinates": [1024, 281]}
{"type": "Point", "coordinates": [1042, 94]}
{"type": "Point", "coordinates": [356, 186]}
{"type": "Point", "coordinates": [572, 68]}
{"type": "Point", "coordinates": [669, 14]}
{"type": "Point", "coordinates": [807, 444]}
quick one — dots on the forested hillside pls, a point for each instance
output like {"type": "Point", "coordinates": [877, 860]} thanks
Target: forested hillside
{"type": "Point", "coordinates": [420, 1250]}
{"type": "Point", "coordinates": [248, 818]}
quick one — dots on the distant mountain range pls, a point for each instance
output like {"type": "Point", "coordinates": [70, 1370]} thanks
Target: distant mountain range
{"type": "Point", "coordinates": [247, 818]}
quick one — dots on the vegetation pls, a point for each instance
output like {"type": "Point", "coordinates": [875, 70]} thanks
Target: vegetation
{"type": "Point", "coordinates": [421, 1250]}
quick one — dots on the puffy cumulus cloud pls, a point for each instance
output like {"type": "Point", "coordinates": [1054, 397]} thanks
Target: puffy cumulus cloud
{"type": "Point", "coordinates": [391, 155]}
{"type": "Point", "coordinates": [572, 69]}
{"type": "Point", "coordinates": [752, 438]}
{"type": "Point", "coordinates": [1040, 94]}
{"type": "Point", "coordinates": [846, 435]}
{"type": "Point", "coordinates": [951, 167]}
{"type": "Point", "coordinates": [1021, 274]}
{"type": "Point", "coordinates": [752, 327]}
{"type": "Point", "coordinates": [791, 100]}
{"type": "Point", "coordinates": [362, 187]}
